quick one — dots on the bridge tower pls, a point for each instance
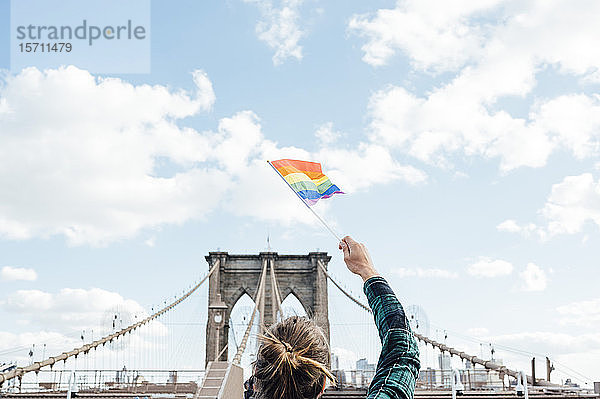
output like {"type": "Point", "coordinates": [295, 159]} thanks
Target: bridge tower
{"type": "Point", "coordinates": [237, 275]}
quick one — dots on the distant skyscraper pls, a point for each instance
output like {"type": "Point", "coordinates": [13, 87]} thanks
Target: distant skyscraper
{"type": "Point", "coordinates": [365, 372]}
{"type": "Point", "coordinates": [361, 364]}
{"type": "Point", "coordinates": [444, 360]}
{"type": "Point", "coordinates": [335, 362]}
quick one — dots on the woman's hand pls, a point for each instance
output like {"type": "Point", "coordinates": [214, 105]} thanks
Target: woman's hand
{"type": "Point", "coordinates": [357, 258]}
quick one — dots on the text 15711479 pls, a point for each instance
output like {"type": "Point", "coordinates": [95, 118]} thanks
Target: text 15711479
{"type": "Point", "coordinates": [45, 47]}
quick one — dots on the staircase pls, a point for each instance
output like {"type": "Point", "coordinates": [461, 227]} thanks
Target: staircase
{"type": "Point", "coordinates": [222, 381]}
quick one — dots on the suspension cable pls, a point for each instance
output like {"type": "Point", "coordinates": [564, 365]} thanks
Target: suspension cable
{"type": "Point", "coordinates": [221, 353]}
{"type": "Point", "coordinates": [233, 333]}
{"type": "Point", "coordinates": [356, 301]}
{"type": "Point", "coordinates": [517, 351]}
{"type": "Point", "coordinates": [259, 297]}
{"type": "Point", "coordinates": [36, 366]}
{"type": "Point", "coordinates": [275, 290]}
{"type": "Point", "coordinates": [444, 348]}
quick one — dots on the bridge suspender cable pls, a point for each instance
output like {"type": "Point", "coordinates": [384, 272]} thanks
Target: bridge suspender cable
{"type": "Point", "coordinates": [221, 353]}
{"type": "Point", "coordinates": [36, 366]}
{"type": "Point", "coordinates": [275, 290]}
{"type": "Point", "coordinates": [356, 301]}
{"type": "Point", "coordinates": [444, 348]}
{"type": "Point", "coordinates": [260, 291]}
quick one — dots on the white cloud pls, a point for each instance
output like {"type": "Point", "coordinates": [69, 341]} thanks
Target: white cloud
{"type": "Point", "coordinates": [526, 230]}
{"type": "Point", "coordinates": [533, 278]}
{"type": "Point", "coordinates": [205, 96]}
{"type": "Point", "coordinates": [509, 226]}
{"type": "Point", "coordinates": [424, 273]}
{"type": "Point", "coordinates": [9, 273]}
{"type": "Point", "coordinates": [581, 313]}
{"type": "Point", "coordinates": [572, 203]}
{"type": "Point", "coordinates": [453, 119]}
{"type": "Point", "coordinates": [56, 321]}
{"type": "Point", "coordinates": [279, 27]}
{"type": "Point", "coordinates": [104, 159]}
{"type": "Point", "coordinates": [575, 121]}
{"type": "Point", "coordinates": [326, 135]}
{"type": "Point", "coordinates": [497, 47]}
{"type": "Point", "coordinates": [448, 36]}
{"type": "Point", "coordinates": [71, 309]}
{"type": "Point", "coordinates": [486, 267]}
{"type": "Point", "coordinates": [358, 168]}
{"type": "Point", "coordinates": [86, 166]}
{"type": "Point", "coordinates": [433, 34]}
{"type": "Point", "coordinates": [347, 358]}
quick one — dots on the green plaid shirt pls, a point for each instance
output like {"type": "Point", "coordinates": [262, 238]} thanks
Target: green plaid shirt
{"type": "Point", "coordinates": [398, 365]}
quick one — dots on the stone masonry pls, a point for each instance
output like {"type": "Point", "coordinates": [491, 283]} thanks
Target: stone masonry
{"type": "Point", "coordinates": [239, 274]}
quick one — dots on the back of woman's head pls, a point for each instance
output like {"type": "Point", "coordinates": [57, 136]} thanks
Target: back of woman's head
{"type": "Point", "coordinates": [292, 361]}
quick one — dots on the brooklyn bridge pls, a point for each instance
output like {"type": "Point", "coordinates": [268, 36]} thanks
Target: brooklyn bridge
{"type": "Point", "coordinates": [120, 359]}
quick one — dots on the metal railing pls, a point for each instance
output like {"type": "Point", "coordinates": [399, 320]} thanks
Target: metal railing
{"type": "Point", "coordinates": [472, 379]}
{"type": "Point", "coordinates": [118, 381]}
{"type": "Point", "coordinates": [435, 379]}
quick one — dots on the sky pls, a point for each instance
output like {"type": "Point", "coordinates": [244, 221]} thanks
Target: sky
{"type": "Point", "coordinates": [465, 134]}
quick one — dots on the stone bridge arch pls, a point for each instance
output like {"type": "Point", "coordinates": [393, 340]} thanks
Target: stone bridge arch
{"type": "Point", "coordinates": [239, 274]}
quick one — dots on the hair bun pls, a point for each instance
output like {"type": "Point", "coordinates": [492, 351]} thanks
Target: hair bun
{"type": "Point", "coordinates": [292, 360]}
{"type": "Point", "coordinates": [288, 347]}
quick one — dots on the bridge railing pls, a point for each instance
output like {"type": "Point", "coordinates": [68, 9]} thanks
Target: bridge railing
{"type": "Point", "coordinates": [433, 379]}
{"type": "Point", "coordinates": [472, 379]}
{"type": "Point", "coordinates": [117, 381]}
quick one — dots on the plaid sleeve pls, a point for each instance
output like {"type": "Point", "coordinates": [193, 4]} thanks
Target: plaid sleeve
{"type": "Point", "coordinates": [398, 365]}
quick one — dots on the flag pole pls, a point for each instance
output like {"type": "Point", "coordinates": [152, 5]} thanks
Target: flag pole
{"type": "Point", "coordinates": [309, 208]}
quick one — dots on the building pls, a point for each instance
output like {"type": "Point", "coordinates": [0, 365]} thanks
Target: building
{"type": "Point", "coordinates": [365, 372]}
{"type": "Point", "coordinates": [361, 364]}
{"type": "Point", "coordinates": [335, 362]}
{"type": "Point", "coordinates": [444, 361]}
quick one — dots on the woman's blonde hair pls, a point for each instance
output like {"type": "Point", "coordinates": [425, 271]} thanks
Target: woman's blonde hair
{"type": "Point", "coordinates": [292, 361]}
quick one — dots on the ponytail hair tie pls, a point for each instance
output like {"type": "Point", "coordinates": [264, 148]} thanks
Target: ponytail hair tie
{"type": "Point", "coordinates": [288, 347]}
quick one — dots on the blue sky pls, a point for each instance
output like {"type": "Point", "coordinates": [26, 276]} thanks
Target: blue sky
{"type": "Point", "coordinates": [468, 148]}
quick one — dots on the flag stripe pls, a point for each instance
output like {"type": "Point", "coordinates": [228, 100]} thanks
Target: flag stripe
{"type": "Point", "coordinates": [298, 165]}
{"type": "Point", "coordinates": [286, 170]}
{"type": "Point", "coordinates": [312, 194]}
{"type": "Point", "coordinates": [305, 186]}
{"type": "Point", "coordinates": [331, 190]}
{"type": "Point", "coordinates": [309, 194]}
{"type": "Point", "coordinates": [324, 186]}
{"type": "Point", "coordinates": [297, 177]}
{"type": "Point", "coordinates": [320, 180]}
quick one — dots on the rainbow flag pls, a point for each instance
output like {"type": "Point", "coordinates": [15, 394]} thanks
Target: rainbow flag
{"type": "Point", "coordinates": [306, 179]}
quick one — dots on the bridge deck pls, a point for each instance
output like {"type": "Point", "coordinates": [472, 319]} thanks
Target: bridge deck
{"type": "Point", "coordinates": [330, 394]}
